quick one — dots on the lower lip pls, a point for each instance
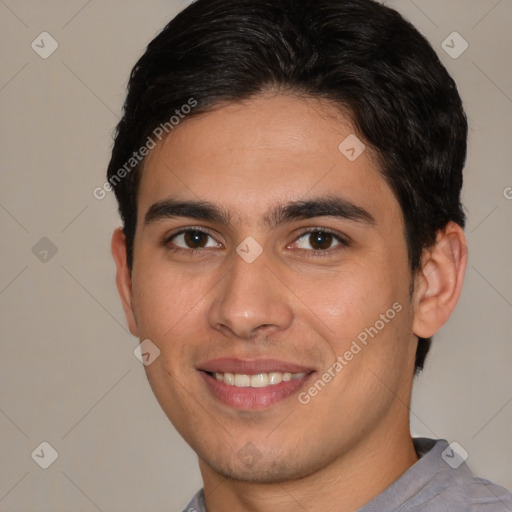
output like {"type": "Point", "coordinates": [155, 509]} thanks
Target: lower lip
{"type": "Point", "coordinates": [253, 398]}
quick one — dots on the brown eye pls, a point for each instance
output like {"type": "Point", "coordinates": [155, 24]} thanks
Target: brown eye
{"type": "Point", "coordinates": [195, 239]}
{"type": "Point", "coordinates": [319, 240]}
{"type": "Point", "coordinates": [192, 239]}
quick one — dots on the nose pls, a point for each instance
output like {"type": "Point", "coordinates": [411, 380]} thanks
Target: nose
{"type": "Point", "coordinates": [250, 299]}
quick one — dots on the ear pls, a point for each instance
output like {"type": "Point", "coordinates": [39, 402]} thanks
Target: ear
{"type": "Point", "coordinates": [123, 278]}
{"type": "Point", "coordinates": [439, 282]}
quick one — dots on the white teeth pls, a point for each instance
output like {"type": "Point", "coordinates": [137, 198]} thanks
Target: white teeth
{"type": "Point", "coordinates": [242, 381]}
{"type": "Point", "coordinates": [259, 380]}
{"type": "Point", "coordinates": [275, 378]}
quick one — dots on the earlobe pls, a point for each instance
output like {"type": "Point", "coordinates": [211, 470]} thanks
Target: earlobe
{"type": "Point", "coordinates": [123, 278]}
{"type": "Point", "coordinates": [439, 282]}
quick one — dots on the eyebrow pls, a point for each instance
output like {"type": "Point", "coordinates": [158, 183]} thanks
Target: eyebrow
{"type": "Point", "coordinates": [330, 206]}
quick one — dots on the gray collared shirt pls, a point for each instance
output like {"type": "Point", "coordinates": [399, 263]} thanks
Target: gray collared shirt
{"type": "Point", "coordinates": [430, 485]}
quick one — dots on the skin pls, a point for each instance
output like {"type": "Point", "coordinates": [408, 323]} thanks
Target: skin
{"type": "Point", "coordinates": [352, 440]}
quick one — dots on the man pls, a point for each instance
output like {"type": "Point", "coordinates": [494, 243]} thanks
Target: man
{"type": "Point", "coordinates": [288, 174]}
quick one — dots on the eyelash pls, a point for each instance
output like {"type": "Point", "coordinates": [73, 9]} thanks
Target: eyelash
{"type": "Point", "coordinates": [343, 241]}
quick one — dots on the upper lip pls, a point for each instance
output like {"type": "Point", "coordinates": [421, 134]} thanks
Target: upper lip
{"type": "Point", "coordinates": [251, 366]}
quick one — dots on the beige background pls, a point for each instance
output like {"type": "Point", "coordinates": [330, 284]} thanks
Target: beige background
{"type": "Point", "coordinates": [67, 372]}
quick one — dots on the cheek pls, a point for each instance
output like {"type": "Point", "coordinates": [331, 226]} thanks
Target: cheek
{"type": "Point", "coordinates": [166, 299]}
{"type": "Point", "coordinates": [170, 312]}
{"type": "Point", "coordinates": [350, 300]}
{"type": "Point", "coordinates": [368, 315]}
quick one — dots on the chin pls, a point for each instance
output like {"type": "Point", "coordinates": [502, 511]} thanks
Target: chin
{"type": "Point", "coordinates": [264, 471]}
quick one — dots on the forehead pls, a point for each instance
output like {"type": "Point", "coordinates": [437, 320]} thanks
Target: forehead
{"type": "Point", "coordinates": [263, 152]}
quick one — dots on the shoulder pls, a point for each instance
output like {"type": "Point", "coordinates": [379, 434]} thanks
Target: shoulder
{"type": "Point", "coordinates": [478, 494]}
{"type": "Point", "coordinates": [441, 481]}
{"type": "Point", "coordinates": [453, 486]}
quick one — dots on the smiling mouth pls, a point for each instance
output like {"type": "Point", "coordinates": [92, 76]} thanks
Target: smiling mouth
{"type": "Point", "coordinates": [253, 385]}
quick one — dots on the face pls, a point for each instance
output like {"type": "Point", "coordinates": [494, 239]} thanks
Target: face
{"type": "Point", "coordinates": [271, 272]}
